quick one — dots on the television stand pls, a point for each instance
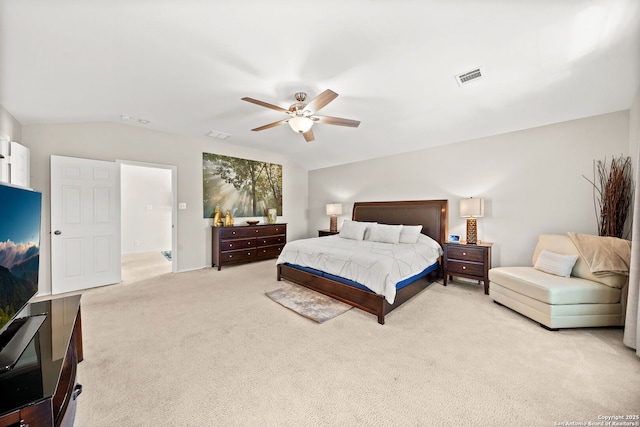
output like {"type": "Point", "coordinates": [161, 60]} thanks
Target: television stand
{"type": "Point", "coordinates": [40, 389]}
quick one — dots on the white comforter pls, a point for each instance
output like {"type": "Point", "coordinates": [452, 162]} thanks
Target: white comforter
{"type": "Point", "coordinates": [378, 266]}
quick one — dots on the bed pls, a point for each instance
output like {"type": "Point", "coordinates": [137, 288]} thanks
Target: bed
{"type": "Point", "coordinates": [431, 214]}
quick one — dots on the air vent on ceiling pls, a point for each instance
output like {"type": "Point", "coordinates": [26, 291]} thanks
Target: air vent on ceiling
{"type": "Point", "coordinates": [468, 77]}
{"type": "Point", "coordinates": [219, 135]}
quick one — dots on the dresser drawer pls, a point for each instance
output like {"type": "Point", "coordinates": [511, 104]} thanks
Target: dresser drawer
{"type": "Point", "coordinates": [232, 245]}
{"type": "Point", "coordinates": [270, 251]}
{"type": "Point", "coordinates": [243, 254]}
{"type": "Point", "coordinates": [465, 253]}
{"type": "Point", "coordinates": [466, 268]}
{"type": "Point", "coordinates": [273, 240]}
{"type": "Point", "coordinates": [271, 230]}
{"type": "Point", "coordinates": [233, 233]}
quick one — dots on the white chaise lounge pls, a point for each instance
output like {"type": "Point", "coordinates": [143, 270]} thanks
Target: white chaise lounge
{"type": "Point", "coordinates": [582, 300]}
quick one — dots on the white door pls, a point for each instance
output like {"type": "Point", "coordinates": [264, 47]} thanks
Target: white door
{"type": "Point", "coordinates": [85, 224]}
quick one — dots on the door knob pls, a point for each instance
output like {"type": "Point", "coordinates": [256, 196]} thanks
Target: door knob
{"type": "Point", "coordinates": [57, 232]}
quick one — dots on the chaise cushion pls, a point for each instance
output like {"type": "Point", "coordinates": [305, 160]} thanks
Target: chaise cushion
{"type": "Point", "coordinates": [553, 263]}
{"type": "Point", "coordinates": [551, 289]}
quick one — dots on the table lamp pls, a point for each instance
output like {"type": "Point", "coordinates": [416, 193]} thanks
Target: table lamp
{"type": "Point", "coordinates": [334, 209]}
{"type": "Point", "coordinates": [471, 209]}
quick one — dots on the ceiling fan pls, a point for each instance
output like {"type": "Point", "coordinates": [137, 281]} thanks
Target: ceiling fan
{"type": "Point", "coordinates": [302, 116]}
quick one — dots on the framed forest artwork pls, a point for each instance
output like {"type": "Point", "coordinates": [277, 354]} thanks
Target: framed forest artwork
{"type": "Point", "coordinates": [245, 187]}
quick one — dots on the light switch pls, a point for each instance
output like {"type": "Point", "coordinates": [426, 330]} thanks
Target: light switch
{"type": "Point", "coordinates": [182, 205]}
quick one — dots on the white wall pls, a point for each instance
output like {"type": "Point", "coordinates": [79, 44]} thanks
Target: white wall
{"type": "Point", "coordinates": [532, 181]}
{"type": "Point", "coordinates": [146, 209]}
{"type": "Point", "coordinates": [110, 141]}
{"type": "Point", "coordinates": [9, 126]}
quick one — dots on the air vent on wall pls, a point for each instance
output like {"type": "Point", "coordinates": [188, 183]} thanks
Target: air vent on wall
{"type": "Point", "coordinates": [468, 77]}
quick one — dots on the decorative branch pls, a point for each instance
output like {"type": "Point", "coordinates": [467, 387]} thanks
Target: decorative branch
{"type": "Point", "coordinates": [612, 194]}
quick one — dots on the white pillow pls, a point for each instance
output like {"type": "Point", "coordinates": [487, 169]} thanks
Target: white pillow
{"type": "Point", "coordinates": [553, 263]}
{"type": "Point", "coordinates": [410, 233]}
{"type": "Point", "coordinates": [353, 230]}
{"type": "Point", "coordinates": [385, 233]}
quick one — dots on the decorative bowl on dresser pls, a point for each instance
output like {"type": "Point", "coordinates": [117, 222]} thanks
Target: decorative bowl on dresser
{"type": "Point", "coordinates": [246, 243]}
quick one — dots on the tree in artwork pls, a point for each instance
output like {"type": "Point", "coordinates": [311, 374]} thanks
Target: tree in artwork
{"type": "Point", "coordinates": [245, 187]}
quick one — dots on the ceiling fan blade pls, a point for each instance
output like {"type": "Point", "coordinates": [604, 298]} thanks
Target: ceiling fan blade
{"type": "Point", "coordinates": [320, 101]}
{"type": "Point", "coordinates": [308, 135]}
{"type": "Point", "coordinates": [336, 121]}
{"type": "Point", "coordinates": [271, 125]}
{"type": "Point", "coordinates": [265, 104]}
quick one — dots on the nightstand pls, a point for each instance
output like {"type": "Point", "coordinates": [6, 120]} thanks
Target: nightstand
{"type": "Point", "coordinates": [327, 232]}
{"type": "Point", "coordinates": [469, 261]}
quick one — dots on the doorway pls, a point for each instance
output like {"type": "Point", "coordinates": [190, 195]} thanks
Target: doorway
{"type": "Point", "coordinates": [148, 206]}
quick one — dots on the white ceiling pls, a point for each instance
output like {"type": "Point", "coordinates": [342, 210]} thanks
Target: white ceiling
{"type": "Point", "coordinates": [184, 65]}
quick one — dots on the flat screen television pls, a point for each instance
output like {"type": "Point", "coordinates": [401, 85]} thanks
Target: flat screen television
{"type": "Point", "coordinates": [20, 213]}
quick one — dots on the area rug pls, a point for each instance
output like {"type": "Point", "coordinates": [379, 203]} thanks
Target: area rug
{"type": "Point", "coordinates": [308, 303]}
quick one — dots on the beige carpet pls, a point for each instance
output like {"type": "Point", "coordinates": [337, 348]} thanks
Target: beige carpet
{"type": "Point", "coordinates": [310, 304]}
{"type": "Point", "coordinates": [208, 348]}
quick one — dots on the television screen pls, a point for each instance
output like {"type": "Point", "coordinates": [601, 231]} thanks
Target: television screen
{"type": "Point", "coordinates": [20, 211]}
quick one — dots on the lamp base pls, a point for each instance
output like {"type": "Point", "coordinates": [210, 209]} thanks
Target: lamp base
{"type": "Point", "coordinates": [472, 231]}
{"type": "Point", "coordinates": [333, 223]}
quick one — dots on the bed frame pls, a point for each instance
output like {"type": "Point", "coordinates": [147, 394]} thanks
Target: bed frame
{"type": "Point", "coordinates": [431, 214]}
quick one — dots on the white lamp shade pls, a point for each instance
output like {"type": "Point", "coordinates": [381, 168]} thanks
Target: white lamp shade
{"type": "Point", "coordinates": [472, 207]}
{"type": "Point", "coordinates": [334, 209]}
{"type": "Point", "coordinates": [300, 124]}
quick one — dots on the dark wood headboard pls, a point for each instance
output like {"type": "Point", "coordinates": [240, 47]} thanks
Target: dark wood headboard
{"type": "Point", "coordinates": [431, 214]}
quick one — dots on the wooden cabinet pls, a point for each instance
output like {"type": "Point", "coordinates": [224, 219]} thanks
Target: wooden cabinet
{"type": "Point", "coordinates": [41, 389]}
{"type": "Point", "coordinates": [468, 261]}
{"type": "Point", "coordinates": [246, 243]}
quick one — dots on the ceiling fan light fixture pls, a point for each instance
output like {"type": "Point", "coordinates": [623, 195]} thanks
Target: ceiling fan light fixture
{"type": "Point", "coordinates": [300, 124]}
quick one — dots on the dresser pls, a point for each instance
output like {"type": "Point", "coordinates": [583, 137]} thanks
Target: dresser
{"type": "Point", "coordinates": [246, 243]}
{"type": "Point", "coordinates": [468, 261]}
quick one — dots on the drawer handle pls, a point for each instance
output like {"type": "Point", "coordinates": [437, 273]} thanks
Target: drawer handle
{"type": "Point", "coordinates": [230, 245]}
{"type": "Point", "coordinates": [464, 268]}
{"type": "Point", "coordinates": [464, 253]}
{"type": "Point", "coordinates": [248, 253]}
{"type": "Point", "coordinates": [230, 256]}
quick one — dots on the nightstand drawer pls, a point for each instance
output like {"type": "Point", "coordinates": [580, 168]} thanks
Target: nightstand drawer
{"type": "Point", "coordinates": [466, 268]}
{"type": "Point", "coordinates": [466, 253]}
